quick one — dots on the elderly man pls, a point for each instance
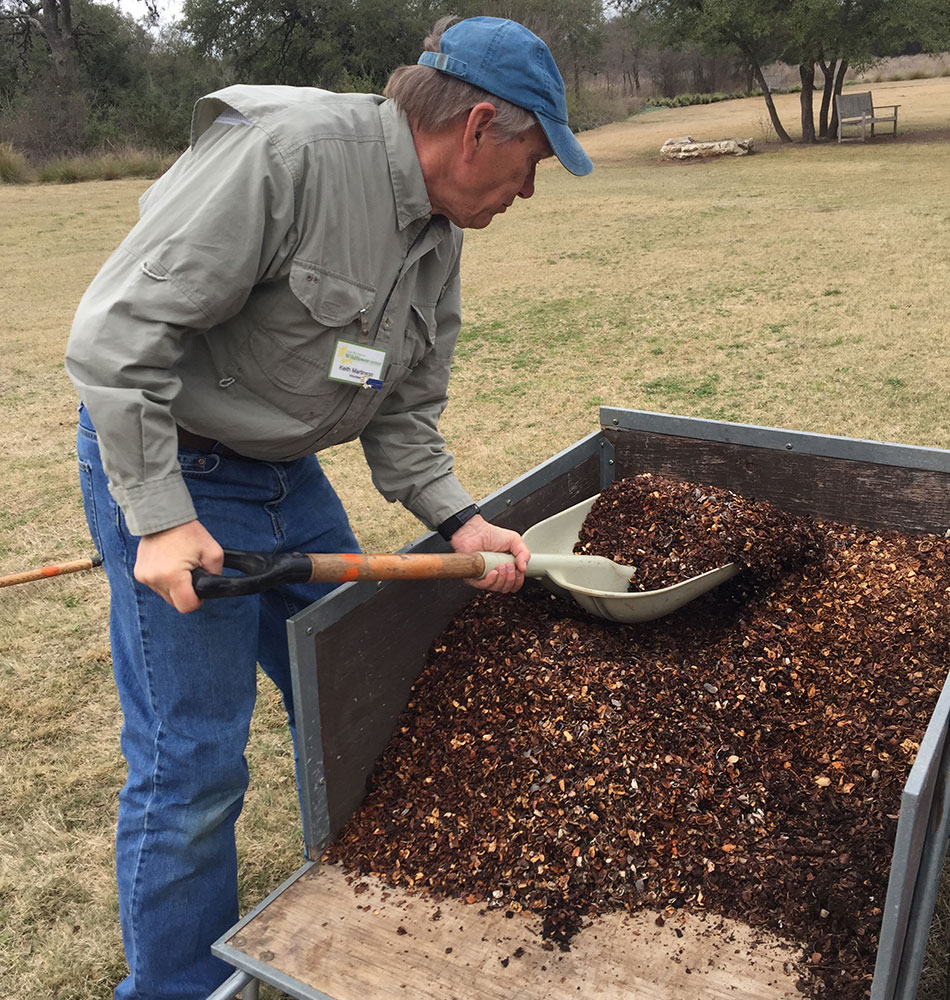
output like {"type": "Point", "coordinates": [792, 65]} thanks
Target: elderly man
{"type": "Point", "coordinates": [293, 282]}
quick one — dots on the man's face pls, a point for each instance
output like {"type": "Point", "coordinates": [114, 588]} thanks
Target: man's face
{"type": "Point", "coordinates": [498, 172]}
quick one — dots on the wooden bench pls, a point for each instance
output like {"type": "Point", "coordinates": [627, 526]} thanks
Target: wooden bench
{"type": "Point", "coordinates": [859, 109]}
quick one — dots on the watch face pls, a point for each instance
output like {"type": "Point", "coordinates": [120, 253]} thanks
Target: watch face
{"type": "Point", "coordinates": [467, 514]}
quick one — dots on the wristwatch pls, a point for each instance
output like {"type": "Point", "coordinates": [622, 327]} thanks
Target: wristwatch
{"type": "Point", "coordinates": [452, 524]}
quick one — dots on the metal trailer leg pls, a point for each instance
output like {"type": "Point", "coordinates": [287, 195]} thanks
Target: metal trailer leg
{"type": "Point", "coordinates": [241, 982]}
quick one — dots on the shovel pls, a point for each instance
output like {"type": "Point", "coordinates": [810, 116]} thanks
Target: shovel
{"type": "Point", "coordinates": [598, 584]}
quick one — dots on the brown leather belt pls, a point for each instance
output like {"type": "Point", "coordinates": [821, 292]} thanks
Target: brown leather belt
{"type": "Point", "coordinates": [208, 445]}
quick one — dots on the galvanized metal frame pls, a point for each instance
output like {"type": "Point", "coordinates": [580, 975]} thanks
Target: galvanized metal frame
{"type": "Point", "coordinates": [924, 826]}
{"type": "Point", "coordinates": [920, 848]}
{"type": "Point", "coordinates": [242, 983]}
{"type": "Point", "coordinates": [253, 965]}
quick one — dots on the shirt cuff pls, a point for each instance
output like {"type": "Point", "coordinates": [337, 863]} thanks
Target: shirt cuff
{"type": "Point", "coordinates": [155, 506]}
{"type": "Point", "coordinates": [440, 500]}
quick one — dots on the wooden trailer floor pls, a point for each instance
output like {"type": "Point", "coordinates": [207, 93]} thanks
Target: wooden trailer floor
{"type": "Point", "coordinates": [350, 938]}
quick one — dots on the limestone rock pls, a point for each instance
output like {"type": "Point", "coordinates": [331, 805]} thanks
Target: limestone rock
{"type": "Point", "coordinates": [687, 148]}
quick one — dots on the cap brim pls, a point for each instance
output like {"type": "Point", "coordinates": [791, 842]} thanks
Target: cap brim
{"type": "Point", "coordinates": [565, 146]}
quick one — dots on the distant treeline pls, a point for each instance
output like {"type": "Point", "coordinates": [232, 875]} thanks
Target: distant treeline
{"type": "Point", "coordinates": [80, 76]}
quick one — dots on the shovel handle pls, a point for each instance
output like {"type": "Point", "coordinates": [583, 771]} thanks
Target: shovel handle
{"type": "Point", "coordinates": [45, 572]}
{"type": "Point", "coordinates": [262, 570]}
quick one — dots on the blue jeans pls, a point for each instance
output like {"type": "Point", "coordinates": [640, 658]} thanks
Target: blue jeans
{"type": "Point", "coordinates": [187, 686]}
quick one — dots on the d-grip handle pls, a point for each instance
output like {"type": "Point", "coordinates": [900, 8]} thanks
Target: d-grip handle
{"type": "Point", "coordinates": [261, 570]}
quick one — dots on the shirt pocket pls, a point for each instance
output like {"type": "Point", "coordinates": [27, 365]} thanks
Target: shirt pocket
{"type": "Point", "coordinates": [295, 350]}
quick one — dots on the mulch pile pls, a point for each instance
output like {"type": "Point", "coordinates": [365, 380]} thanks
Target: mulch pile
{"type": "Point", "coordinates": [744, 756]}
{"type": "Point", "coordinates": [672, 531]}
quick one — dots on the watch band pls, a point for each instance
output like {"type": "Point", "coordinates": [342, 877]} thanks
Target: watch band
{"type": "Point", "coordinates": [452, 524]}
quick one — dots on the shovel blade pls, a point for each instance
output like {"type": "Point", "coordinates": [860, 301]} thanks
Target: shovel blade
{"type": "Point", "coordinates": [641, 606]}
{"type": "Point", "coordinates": [604, 591]}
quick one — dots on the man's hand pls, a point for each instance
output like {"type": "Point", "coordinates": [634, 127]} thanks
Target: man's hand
{"type": "Point", "coordinates": [477, 535]}
{"type": "Point", "coordinates": [165, 561]}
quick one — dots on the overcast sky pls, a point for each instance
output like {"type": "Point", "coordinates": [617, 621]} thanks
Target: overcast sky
{"type": "Point", "coordinates": [170, 10]}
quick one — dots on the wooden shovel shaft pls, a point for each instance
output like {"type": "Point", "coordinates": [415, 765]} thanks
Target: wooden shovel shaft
{"type": "Point", "coordinates": [44, 572]}
{"type": "Point", "coordinates": [259, 571]}
{"type": "Point", "coordinates": [343, 567]}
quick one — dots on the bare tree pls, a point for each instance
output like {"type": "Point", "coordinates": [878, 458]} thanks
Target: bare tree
{"type": "Point", "coordinates": [51, 20]}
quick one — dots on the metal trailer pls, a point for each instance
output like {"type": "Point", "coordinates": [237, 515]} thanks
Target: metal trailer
{"type": "Point", "coordinates": [357, 652]}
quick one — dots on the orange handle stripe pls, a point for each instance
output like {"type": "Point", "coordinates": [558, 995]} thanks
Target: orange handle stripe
{"type": "Point", "coordinates": [352, 571]}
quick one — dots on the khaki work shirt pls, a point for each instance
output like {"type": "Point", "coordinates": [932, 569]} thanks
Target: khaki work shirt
{"type": "Point", "coordinates": [296, 218]}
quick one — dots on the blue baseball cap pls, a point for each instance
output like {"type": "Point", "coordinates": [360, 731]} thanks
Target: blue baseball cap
{"type": "Point", "coordinates": [511, 62]}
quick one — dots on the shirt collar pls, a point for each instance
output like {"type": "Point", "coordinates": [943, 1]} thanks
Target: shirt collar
{"type": "Point", "coordinates": [409, 189]}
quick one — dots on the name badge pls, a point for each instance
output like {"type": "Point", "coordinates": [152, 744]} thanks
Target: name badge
{"type": "Point", "coordinates": [357, 364]}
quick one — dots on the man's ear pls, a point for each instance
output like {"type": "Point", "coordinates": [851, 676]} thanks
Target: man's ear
{"type": "Point", "coordinates": [479, 119]}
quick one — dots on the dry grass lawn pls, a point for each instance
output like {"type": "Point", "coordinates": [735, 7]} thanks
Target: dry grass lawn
{"type": "Point", "coordinates": [800, 287]}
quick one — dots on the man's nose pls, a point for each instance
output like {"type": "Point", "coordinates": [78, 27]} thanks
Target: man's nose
{"type": "Point", "coordinates": [527, 189]}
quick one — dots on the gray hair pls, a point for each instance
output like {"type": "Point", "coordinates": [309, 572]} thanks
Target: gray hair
{"type": "Point", "coordinates": [432, 100]}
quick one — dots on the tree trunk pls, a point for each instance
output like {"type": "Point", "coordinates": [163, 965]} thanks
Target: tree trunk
{"type": "Point", "coordinates": [827, 94]}
{"type": "Point", "coordinates": [56, 19]}
{"type": "Point", "coordinates": [839, 81]}
{"type": "Point", "coordinates": [807, 73]}
{"type": "Point", "coordinates": [769, 103]}
{"type": "Point", "coordinates": [577, 69]}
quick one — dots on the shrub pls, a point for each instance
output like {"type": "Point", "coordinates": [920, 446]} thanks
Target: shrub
{"type": "Point", "coordinates": [131, 162]}
{"type": "Point", "coordinates": [105, 166]}
{"type": "Point", "coordinates": [594, 108]}
{"type": "Point", "coordinates": [14, 166]}
{"type": "Point", "coordinates": [46, 121]}
{"type": "Point", "coordinates": [68, 170]}
{"type": "Point", "coordinates": [354, 83]}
